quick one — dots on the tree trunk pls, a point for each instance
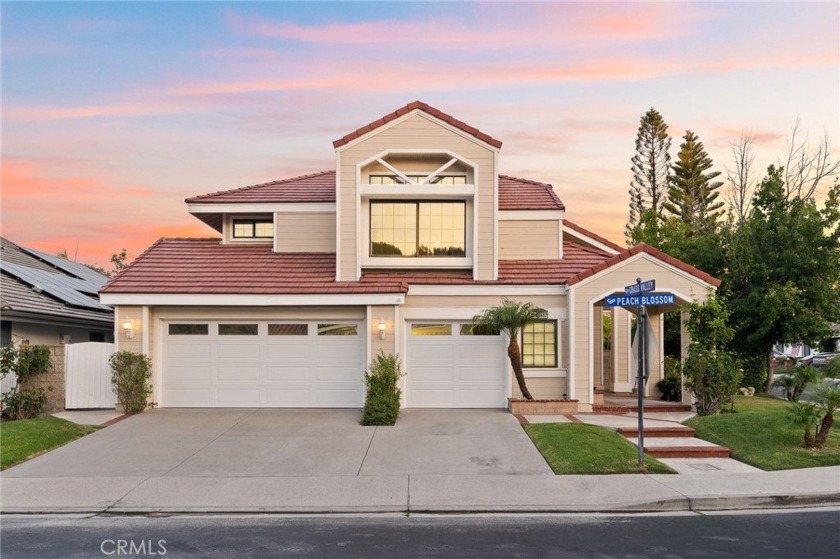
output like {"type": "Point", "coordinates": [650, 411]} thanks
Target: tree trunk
{"type": "Point", "coordinates": [769, 385]}
{"type": "Point", "coordinates": [823, 429]}
{"type": "Point", "coordinates": [516, 361]}
{"type": "Point", "coordinates": [809, 438]}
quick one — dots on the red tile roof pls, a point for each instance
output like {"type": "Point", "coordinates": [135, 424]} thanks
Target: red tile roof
{"type": "Point", "coordinates": [643, 248]}
{"type": "Point", "coordinates": [514, 193]}
{"type": "Point", "coordinates": [206, 266]}
{"type": "Point", "coordinates": [591, 235]}
{"type": "Point", "coordinates": [418, 105]}
{"type": "Point", "coordinates": [317, 187]}
{"type": "Point", "coordinates": [192, 266]}
{"type": "Point", "coordinates": [524, 194]}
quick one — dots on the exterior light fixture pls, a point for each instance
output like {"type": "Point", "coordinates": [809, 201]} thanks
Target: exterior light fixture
{"type": "Point", "coordinates": [381, 329]}
{"type": "Point", "coordinates": [128, 328]}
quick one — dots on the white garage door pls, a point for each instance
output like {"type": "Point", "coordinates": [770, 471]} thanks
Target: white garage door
{"type": "Point", "coordinates": [450, 366]}
{"type": "Point", "coordinates": [263, 364]}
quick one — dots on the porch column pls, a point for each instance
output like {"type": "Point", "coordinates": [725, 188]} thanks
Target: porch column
{"type": "Point", "coordinates": [598, 347]}
{"type": "Point", "coordinates": [621, 349]}
{"type": "Point", "coordinates": [685, 343]}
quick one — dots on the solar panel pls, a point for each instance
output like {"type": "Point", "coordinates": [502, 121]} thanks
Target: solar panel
{"type": "Point", "coordinates": [67, 289]}
{"type": "Point", "coordinates": [79, 270]}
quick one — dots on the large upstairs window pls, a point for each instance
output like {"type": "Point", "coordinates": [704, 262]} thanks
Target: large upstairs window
{"type": "Point", "coordinates": [418, 228]}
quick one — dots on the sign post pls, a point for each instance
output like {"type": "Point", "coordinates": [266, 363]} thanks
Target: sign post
{"type": "Point", "coordinates": [640, 376]}
{"type": "Point", "coordinates": [640, 295]}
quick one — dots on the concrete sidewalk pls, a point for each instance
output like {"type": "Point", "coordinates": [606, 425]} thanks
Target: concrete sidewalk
{"type": "Point", "coordinates": [422, 493]}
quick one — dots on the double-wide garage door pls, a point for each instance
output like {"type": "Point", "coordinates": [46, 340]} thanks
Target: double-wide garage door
{"type": "Point", "coordinates": [263, 364]}
{"type": "Point", "coordinates": [451, 365]}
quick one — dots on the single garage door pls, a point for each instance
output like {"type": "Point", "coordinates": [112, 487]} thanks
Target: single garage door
{"type": "Point", "coordinates": [449, 365]}
{"type": "Point", "coordinates": [263, 364]}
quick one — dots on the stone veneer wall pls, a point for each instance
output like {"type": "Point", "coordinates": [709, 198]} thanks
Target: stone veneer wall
{"type": "Point", "coordinates": [51, 380]}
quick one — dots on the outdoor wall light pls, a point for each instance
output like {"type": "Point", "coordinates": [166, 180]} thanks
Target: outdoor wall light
{"type": "Point", "coordinates": [128, 328]}
{"type": "Point", "coordinates": [381, 329]}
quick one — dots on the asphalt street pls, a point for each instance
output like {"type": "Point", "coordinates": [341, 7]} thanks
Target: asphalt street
{"type": "Point", "coordinates": [813, 534]}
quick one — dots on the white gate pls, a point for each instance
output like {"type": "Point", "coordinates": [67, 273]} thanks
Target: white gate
{"type": "Point", "coordinates": [87, 376]}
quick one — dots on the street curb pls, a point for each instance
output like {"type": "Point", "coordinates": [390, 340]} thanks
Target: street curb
{"type": "Point", "coordinates": [686, 504]}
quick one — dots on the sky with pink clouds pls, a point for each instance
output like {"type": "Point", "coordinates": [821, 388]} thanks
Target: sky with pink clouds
{"type": "Point", "coordinates": [113, 113]}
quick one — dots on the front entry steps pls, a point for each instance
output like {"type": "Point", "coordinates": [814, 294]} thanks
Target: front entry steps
{"type": "Point", "coordinates": [658, 432]}
{"type": "Point", "coordinates": [675, 442]}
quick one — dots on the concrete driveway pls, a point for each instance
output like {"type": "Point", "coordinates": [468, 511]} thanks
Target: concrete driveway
{"type": "Point", "coordinates": [225, 443]}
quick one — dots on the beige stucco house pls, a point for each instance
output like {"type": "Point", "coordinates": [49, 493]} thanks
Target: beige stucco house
{"type": "Point", "coordinates": [413, 233]}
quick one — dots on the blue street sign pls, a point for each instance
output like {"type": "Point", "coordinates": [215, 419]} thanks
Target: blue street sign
{"type": "Point", "coordinates": [646, 300]}
{"type": "Point", "coordinates": [639, 288]}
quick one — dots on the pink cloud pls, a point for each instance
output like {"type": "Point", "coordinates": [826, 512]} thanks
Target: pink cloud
{"type": "Point", "coordinates": [545, 25]}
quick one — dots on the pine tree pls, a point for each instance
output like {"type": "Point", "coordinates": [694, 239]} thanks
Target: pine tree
{"type": "Point", "coordinates": [692, 193]}
{"type": "Point", "coordinates": [651, 168]}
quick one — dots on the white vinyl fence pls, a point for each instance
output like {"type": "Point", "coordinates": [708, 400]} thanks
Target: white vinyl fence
{"type": "Point", "coordinates": [87, 376]}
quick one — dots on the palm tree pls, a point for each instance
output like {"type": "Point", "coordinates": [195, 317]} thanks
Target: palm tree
{"type": "Point", "coordinates": [510, 317]}
{"type": "Point", "coordinates": [807, 416]}
{"type": "Point", "coordinates": [827, 399]}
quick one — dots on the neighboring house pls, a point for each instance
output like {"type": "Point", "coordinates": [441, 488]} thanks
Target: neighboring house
{"type": "Point", "coordinates": [412, 234]}
{"type": "Point", "coordinates": [47, 300]}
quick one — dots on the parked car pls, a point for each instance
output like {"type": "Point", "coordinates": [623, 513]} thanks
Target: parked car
{"type": "Point", "coordinates": [820, 360]}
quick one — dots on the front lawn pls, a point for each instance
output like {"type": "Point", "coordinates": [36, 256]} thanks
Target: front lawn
{"type": "Point", "coordinates": [577, 448]}
{"type": "Point", "coordinates": [760, 433]}
{"type": "Point", "coordinates": [27, 438]}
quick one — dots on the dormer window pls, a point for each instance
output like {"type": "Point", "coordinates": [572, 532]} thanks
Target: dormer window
{"type": "Point", "coordinates": [253, 229]}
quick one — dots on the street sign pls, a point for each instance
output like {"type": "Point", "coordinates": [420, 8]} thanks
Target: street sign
{"type": "Point", "coordinates": [646, 300]}
{"type": "Point", "coordinates": [640, 287]}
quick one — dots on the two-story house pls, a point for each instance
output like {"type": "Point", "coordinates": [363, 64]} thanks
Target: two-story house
{"type": "Point", "coordinates": [413, 233]}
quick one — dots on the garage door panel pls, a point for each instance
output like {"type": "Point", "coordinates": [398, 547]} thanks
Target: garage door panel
{"type": "Point", "coordinates": [238, 373]}
{"type": "Point", "coordinates": [287, 373]}
{"type": "Point", "coordinates": [472, 375]}
{"type": "Point", "coordinates": [188, 374]}
{"type": "Point", "coordinates": [234, 396]}
{"type": "Point", "coordinates": [337, 373]}
{"type": "Point", "coordinates": [190, 351]}
{"type": "Point", "coordinates": [233, 350]}
{"type": "Point", "coordinates": [288, 351]}
{"type": "Point", "coordinates": [263, 370]}
{"type": "Point", "coordinates": [287, 397]}
{"type": "Point", "coordinates": [189, 397]}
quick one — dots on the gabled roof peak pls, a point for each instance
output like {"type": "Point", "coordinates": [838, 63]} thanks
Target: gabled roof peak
{"type": "Point", "coordinates": [426, 108]}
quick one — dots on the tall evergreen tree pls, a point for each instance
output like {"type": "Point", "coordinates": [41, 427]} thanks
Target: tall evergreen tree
{"type": "Point", "coordinates": [651, 168]}
{"type": "Point", "coordinates": [692, 192]}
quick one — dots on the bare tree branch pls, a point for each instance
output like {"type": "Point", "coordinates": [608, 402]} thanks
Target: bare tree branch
{"type": "Point", "coordinates": [740, 175]}
{"type": "Point", "coordinates": [805, 169]}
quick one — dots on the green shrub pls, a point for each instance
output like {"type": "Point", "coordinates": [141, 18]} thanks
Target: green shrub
{"type": "Point", "coordinates": [755, 372]}
{"type": "Point", "coordinates": [24, 404]}
{"type": "Point", "coordinates": [713, 378]}
{"type": "Point", "coordinates": [25, 362]}
{"type": "Point", "coordinates": [671, 384]}
{"type": "Point", "coordinates": [130, 374]}
{"type": "Point", "coordinates": [382, 400]}
{"type": "Point", "coordinates": [31, 360]}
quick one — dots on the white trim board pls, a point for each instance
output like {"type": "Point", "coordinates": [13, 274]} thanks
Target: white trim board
{"type": "Point", "coordinates": [260, 207]}
{"type": "Point", "coordinates": [248, 300]}
{"type": "Point", "coordinates": [530, 215]}
{"type": "Point", "coordinates": [479, 289]}
{"type": "Point", "coordinates": [653, 260]}
{"type": "Point", "coordinates": [408, 115]}
{"type": "Point", "coordinates": [588, 239]}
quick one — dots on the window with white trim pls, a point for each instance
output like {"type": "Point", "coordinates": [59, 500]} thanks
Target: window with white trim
{"type": "Point", "coordinates": [539, 344]}
{"type": "Point", "coordinates": [418, 228]}
{"type": "Point", "coordinates": [253, 228]}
